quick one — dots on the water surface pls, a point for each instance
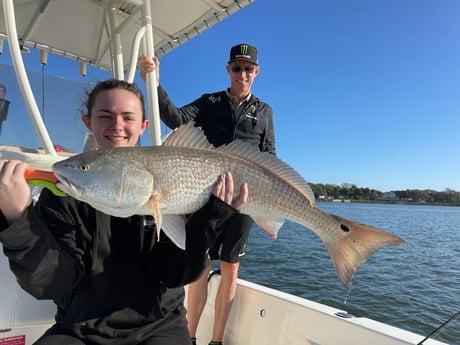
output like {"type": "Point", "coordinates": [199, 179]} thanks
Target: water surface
{"type": "Point", "coordinates": [414, 286]}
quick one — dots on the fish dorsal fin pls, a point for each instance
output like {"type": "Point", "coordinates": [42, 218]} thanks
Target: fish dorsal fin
{"type": "Point", "coordinates": [272, 163]}
{"type": "Point", "coordinates": [187, 136]}
{"type": "Point", "coordinates": [193, 137]}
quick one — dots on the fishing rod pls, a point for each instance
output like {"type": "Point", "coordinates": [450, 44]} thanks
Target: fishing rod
{"type": "Point", "coordinates": [440, 328]}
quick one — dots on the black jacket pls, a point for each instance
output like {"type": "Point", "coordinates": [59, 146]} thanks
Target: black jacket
{"type": "Point", "coordinates": [109, 276]}
{"type": "Point", "coordinates": [221, 121]}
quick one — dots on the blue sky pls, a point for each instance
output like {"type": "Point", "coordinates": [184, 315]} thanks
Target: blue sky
{"type": "Point", "coordinates": [363, 91]}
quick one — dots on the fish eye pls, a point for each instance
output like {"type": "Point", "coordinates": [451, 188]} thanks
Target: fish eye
{"type": "Point", "coordinates": [84, 167]}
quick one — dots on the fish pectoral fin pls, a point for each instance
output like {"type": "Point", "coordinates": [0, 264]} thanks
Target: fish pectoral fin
{"type": "Point", "coordinates": [155, 201]}
{"type": "Point", "coordinates": [174, 228]}
{"type": "Point", "coordinates": [270, 226]}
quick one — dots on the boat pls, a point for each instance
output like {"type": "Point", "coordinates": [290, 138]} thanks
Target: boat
{"type": "Point", "coordinates": [109, 35]}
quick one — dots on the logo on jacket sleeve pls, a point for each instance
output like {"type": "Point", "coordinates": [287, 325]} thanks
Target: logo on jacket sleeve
{"type": "Point", "coordinates": [214, 98]}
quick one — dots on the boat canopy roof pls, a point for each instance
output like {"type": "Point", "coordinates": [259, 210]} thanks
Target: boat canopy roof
{"type": "Point", "coordinates": [85, 30]}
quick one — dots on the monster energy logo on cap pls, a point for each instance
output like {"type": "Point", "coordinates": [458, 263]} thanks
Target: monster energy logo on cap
{"type": "Point", "coordinates": [244, 52]}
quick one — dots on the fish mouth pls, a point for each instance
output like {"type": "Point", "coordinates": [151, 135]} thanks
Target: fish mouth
{"type": "Point", "coordinates": [66, 186]}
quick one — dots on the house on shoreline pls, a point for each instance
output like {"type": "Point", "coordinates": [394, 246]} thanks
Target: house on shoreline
{"type": "Point", "coordinates": [388, 196]}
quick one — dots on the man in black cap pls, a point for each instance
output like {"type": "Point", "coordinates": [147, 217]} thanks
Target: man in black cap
{"type": "Point", "coordinates": [224, 116]}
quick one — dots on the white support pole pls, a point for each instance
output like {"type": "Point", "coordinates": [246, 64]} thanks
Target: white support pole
{"type": "Point", "coordinates": [117, 51]}
{"type": "Point", "coordinates": [21, 76]}
{"type": "Point", "coordinates": [134, 54]}
{"type": "Point", "coordinates": [151, 80]}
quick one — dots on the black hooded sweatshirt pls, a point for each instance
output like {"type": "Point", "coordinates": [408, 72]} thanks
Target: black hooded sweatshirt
{"type": "Point", "coordinates": [111, 280]}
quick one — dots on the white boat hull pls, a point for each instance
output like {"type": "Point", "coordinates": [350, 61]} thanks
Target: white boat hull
{"type": "Point", "coordinates": [23, 319]}
{"type": "Point", "coordinates": [261, 315]}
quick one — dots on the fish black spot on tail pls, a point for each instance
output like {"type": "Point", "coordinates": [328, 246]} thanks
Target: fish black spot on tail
{"type": "Point", "coordinates": [344, 228]}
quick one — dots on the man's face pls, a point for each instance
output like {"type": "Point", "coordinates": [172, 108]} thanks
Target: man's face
{"type": "Point", "coordinates": [242, 74]}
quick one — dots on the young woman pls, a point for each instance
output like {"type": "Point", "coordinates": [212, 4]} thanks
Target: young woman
{"type": "Point", "coordinates": [112, 281]}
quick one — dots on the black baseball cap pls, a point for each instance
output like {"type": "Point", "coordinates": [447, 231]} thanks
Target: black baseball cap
{"type": "Point", "coordinates": [244, 52]}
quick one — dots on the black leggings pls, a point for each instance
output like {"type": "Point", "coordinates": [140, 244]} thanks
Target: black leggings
{"type": "Point", "coordinates": [172, 339]}
{"type": "Point", "coordinates": [170, 331]}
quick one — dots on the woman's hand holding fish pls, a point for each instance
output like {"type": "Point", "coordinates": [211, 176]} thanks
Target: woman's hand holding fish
{"type": "Point", "coordinates": [224, 191]}
{"type": "Point", "coordinates": [15, 194]}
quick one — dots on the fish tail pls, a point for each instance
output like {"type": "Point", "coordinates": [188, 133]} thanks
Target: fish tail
{"type": "Point", "coordinates": [353, 249]}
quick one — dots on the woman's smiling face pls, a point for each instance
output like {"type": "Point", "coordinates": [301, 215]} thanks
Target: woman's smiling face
{"type": "Point", "coordinates": [116, 119]}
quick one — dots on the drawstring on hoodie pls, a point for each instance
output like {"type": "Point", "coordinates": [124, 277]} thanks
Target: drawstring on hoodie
{"type": "Point", "coordinates": [101, 238]}
{"type": "Point", "coordinates": [148, 226]}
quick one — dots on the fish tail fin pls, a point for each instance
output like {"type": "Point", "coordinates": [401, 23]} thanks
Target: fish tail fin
{"type": "Point", "coordinates": [359, 243]}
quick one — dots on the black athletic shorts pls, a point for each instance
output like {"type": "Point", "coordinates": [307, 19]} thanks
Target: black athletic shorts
{"type": "Point", "coordinates": [233, 239]}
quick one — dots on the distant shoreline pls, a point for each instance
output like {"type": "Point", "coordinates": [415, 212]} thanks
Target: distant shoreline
{"type": "Point", "coordinates": [386, 202]}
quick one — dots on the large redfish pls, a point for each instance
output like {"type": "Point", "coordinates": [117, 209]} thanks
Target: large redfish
{"type": "Point", "coordinates": [177, 178]}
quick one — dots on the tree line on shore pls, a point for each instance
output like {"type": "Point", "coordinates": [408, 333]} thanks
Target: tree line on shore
{"type": "Point", "coordinates": [352, 192]}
